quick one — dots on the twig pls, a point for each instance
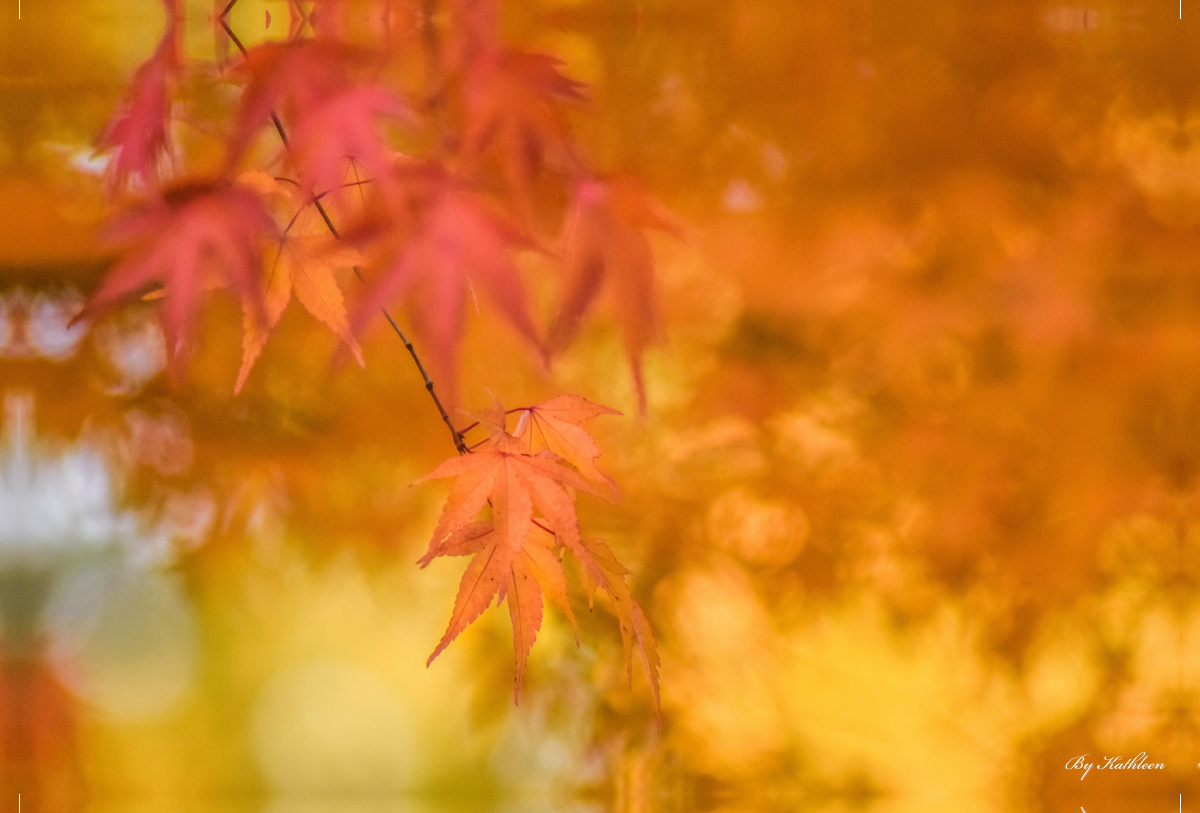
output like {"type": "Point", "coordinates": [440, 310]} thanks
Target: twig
{"type": "Point", "coordinates": [459, 443]}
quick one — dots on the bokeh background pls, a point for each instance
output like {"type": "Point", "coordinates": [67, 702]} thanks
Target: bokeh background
{"type": "Point", "coordinates": [913, 509]}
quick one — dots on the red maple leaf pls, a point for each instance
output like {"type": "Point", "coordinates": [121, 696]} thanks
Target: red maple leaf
{"type": "Point", "coordinates": [333, 119]}
{"type": "Point", "coordinates": [511, 100]}
{"type": "Point", "coordinates": [197, 236]}
{"type": "Point", "coordinates": [476, 29]}
{"type": "Point", "coordinates": [293, 76]}
{"type": "Point", "coordinates": [137, 132]}
{"type": "Point", "coordinates": [340, 129]}
{"type": "Point", "coordinates": [604, 239]}
{"type": "Point", "coordinates": [454, 243]}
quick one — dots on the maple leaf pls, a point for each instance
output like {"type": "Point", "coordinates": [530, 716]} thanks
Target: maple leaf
{"type": "Point", "coordinates": [604, 239]}
{"type": "Point", "coordinates": [294, 75]}
{"type": "Point", "coordinates": [538, 558]}
{"type": "Point", "coordinates": [476, 29]}
{"type": "Point", "coordinates": [601, 569]}
{"type": "Point", "coordinates": [533, 513]}
{"type": "Point", "coordinates": [510, 100]}
{"type": "Point", "coordinates": [455, 242]}
{"type": "Point", "coordinates": [500, 471]}
{"type": "Point", "coordinates": [137, 132]}
{"type": "Point", "coordinates": [198, 235]}
{"type": "Point", "coordinates": [557, 425]}
{"type": "Point", "coordinates": [302, 263]}
{"type": "Point", "coordinates": [508, 564]}
{"type": "Point", "coordinates": [342, 128]}
{"type": "Point", "coordinates": [333, 119]}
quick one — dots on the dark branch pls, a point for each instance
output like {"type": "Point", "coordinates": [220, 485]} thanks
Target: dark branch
{"type": "Point", "coordinates": [459, 443]}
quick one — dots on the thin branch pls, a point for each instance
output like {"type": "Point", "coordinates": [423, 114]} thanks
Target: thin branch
{"type": "Point", "coordinates": [459, 443]}
{"type": "Point", "coordinates": [279, 128]}
{"type": "Point", "coordinates": [233, 36]}
{"type": "Point", "coordinates": [458, 440]}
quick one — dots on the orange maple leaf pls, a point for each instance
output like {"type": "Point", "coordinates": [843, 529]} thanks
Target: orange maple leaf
{"type": "Point", "coordinates": [604, 239]}
{"type": "Point", "coordinates": [600, 568]}
{"type": "Point", "coordinates": [303, 263]}
{"type": "Point", "coordinates": [533, 513]}
{"type": "Point", "coordinates": [557, 425]}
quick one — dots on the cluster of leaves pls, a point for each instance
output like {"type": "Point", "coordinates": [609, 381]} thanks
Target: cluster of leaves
{"type": "Point", "coordinates": [524, 478]}
{"type": "Point", "coordinates": [435, 222]}
{"type": "Point", "coordinates": [424, 224]}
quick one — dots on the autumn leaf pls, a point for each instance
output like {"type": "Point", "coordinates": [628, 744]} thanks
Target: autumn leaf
{"type": "Point", "coordinates": [294, 76]}
{"type": "Point", "coordinates": [557, 425]}
{"type": "Point", "coordinates": [341, 129]}
{"type": "Point", "coordinates": [533, 512]}
{"type": "Point", "coordinates": [524, 596]}
{"type": "Point", "coordinates": [468, 539]}
{"type": "Point", "coordinates": [298, 18]}
{"type": "Point", "coordinates": [476, 29]}
{"type": "Point", "coordinates": [604, 240]}
{"type": "Point", "coordinates": [511, 100]}
{"type": "Point", "coordinates": [333, 119]}
{"type": "Point", "coordinates": [602, 569]}
{"type": "Point", "coordinates": [137, 132]}
{"type": "Point", "coordinates": [542, 562]}
{"type": "Point", "coordinates": [455, 244]}
{"type": "Point", "coordinates": [199, 235]}
{"type": "Point", "coordinates": [508, 564]}
{"type": "Point", "coordinates": [302, 262]}
{"type": "Point", "coordinates": [503, 473]}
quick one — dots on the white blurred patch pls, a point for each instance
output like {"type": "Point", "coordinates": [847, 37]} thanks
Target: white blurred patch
{"type": "Point", "coordinates": [330, 727]}
{"type": "Point", "coordinates": [187, 517]}
{"type": "Point", "coordinates": [50, 502]}
{"type": "Point", "coordinates": [39, 326]}
{"type": "Point", "coordinates": [60, 503]}
{"type": "Point", "coordinates": [124, 642]}
{"type": "Point", "coordinates": [80, 158]}
{"type": "Point", "coordinates": [48, 326]}
{"type": "Point", "coordinates": [135, 349]}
